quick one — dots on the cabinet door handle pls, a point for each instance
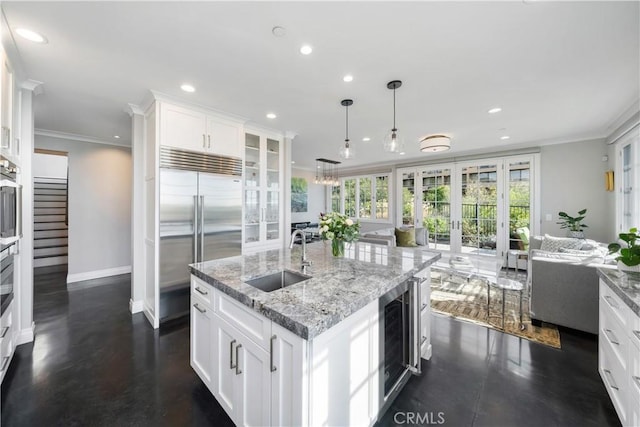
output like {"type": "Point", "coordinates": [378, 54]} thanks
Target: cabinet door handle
{"type": "Point", "coordinates": [611, 336]}
{"type": "Point", "coordinates": [238, 370]}
{"type": "Point", "coordinates": [611, 383]}
{"type": "Point", "coordinates": [4, 331]}
{"type": "Point", "coordinates": [273, 367]}
{"type": "Point", "coordinates": [610, 301]}
{"type": "Point", "coordinates": [204, 140]}
{"type": "Point", "coordinates": [201, 310]}
{"type": "Point", "coordinates": [209, 137]}
{"type": "Point", "coordinates": [201, 291]}
{"type": "Point", "coordinates": [5, 360]}
{"type": "Point", "coordinates": [231, 365]}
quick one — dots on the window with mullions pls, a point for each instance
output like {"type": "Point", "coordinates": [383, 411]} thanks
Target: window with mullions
{"type": "Point", "coordinates": [366, 197]}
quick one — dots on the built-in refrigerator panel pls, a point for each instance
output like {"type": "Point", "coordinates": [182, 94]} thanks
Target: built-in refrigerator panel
{"type": "Point", "coordinates": [200, 220]}
{"type": "Point", "coordinates": [221, 216]}
{"type": "Point", "coordinates": [178, 197]}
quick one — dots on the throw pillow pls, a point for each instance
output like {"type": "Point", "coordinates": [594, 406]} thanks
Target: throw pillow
{"type": "Point", "coordinates": [553, 244]}
{"type": "Point", "coordinates": [406, 237]}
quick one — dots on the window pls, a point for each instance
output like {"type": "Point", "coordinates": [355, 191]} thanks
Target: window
{"type": "Point", "coordinates": [627, 185]}
{"type": "Point", "coordinates": [364, 197]}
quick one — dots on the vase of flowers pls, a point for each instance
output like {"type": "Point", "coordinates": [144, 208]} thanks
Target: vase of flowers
{"type": "Point", "coordinates": [339, 229]}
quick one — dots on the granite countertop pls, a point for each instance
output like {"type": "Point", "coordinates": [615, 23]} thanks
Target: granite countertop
{"type": "Point", "coordinates": [338, 286]}
{"type": "Point", "coordinates": [625, 286]}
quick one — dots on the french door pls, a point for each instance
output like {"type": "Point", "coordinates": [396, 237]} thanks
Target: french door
{"type": "Point", "coordinates": [478, 207]}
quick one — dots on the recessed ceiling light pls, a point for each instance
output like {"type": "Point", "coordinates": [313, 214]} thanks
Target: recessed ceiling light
{"type": "Point", "coordinates": [494, 110]}
{"type": "Point", "coordinates": [293, 162]}
{"type": "Point", "coordinates": [366, 139]}
{"type": "Point", "coordinates": [116, 136]}
{"type": "Point", "coordinates": [317, 167]}
{"type": "Point", "coordinates": [348, 78]}
{"type": "Point", "coordinates": [503, 137]}
{"type": "Point", "coordinates": [402, 153]}
{"type": "Point", "coordinates": [188, 88]}
{"type": "Point", "coordinates": [271, 116]}
{"type": "Point", "coordinates": [31, 35]}
{"type": "Point", "coordinates": [306, 49]}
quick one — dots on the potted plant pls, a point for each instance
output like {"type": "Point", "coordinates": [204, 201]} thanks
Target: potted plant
{"type": "Point", "coordinates": [629, 258]}
{"type": "Point", "coordinates": [574, 225]}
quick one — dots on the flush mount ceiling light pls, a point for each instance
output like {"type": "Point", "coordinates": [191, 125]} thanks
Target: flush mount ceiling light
{"type": "Point", "coordinates": [435, 143]}
{"type": "Point", "coordinates": [306, 49]}
{"type": "Point", "coordinates": [392, 142]}
{"type": "Point", "coordinates": [347, 152]}
{"type": "Point", "coordinates": [187, 88]}
{"type": "Point", "coordinates": [31, 35]}
{"type": "Point", "coordinates": [327, 172]}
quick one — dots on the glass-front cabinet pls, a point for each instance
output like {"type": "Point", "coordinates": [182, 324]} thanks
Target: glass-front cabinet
{"type": "Point", "coordinates": [262, 192]}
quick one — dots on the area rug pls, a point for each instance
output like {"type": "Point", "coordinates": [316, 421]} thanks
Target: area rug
{"type": "Point", "coordinates": [467, 300]}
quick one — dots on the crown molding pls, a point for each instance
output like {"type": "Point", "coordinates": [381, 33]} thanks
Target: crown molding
{"type": "Point", "coordinates": [204, 108]}
{"type": "Point", "coordinates": [133, 109]}
{"type": "Point", "coordinates": [34, 86]}
{"type": "Point", "coordinates": [76, 137]}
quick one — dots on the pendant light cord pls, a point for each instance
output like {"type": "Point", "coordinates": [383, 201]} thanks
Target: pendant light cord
{"type": "Point", "coordinates": [347, 127]}
{"type": "Point", "coordinates": [394, 108]}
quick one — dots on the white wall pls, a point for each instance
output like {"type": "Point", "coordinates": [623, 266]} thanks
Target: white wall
{"type": "Point", "coordinates": [571, 179]}
{"type": "Point", "coordinates": [99, 207]}
{"type": "Point", "coordinates": [49, 166]}
{"type": "Point", "coordinates": [315, 199]}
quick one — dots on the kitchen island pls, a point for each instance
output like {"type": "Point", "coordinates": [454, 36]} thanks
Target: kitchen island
{"type": "Point", "coordinates": [310, 353]}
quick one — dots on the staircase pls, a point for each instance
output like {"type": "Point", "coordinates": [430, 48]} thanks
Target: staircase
{"type": "Point", "coordinates": [50, 231]}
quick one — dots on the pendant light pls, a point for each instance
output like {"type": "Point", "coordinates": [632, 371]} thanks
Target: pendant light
{"type": "Point", "coordinates": [327, 172]}
{"type": "Point", "coordinates": [392, 142]}
{"type": "Point", "coordinates": [346, 152]}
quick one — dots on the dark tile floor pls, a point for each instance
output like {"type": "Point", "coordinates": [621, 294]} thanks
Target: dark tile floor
{"type": "Point", "coordinates": [92, 363]}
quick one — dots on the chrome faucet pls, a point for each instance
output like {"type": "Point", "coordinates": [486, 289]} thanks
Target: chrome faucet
{"type": "Point", "coordinates": [298, 232]}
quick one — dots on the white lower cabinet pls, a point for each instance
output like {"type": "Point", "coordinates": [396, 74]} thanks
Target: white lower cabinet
{"type": "Point", "coordinates": [242, 378]}
{"type": "Point", "coordinates": [201, 342]}
{"type": "Point", "coordinates": [7, 343]}
{"type": "Point", "coordinates": [619, 355]}
{"type": "Point", "coordinates": [288, 368]}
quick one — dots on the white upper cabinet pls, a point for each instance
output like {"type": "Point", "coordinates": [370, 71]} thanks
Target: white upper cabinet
{"type": "Point", "coordinates": [224, 138]}
{"type": "Point", "coordinates": [194, 130]}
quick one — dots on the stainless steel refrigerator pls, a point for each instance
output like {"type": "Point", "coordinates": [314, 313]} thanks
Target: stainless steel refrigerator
{"type": "Point", "coordinates": [200, 220]}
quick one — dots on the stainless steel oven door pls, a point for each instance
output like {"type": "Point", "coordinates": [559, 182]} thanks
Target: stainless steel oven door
{"type": "Point", "coordinates": [10, 211]}
{"type": "Point", "coordinates": [6, 283]}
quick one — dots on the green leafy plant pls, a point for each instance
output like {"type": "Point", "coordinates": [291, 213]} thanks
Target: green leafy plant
{"type": "Point", "coordinates": [572, 223]}
{"type": "Point", "coordinates": [334, 225]}
{"type": "Point", "coordinates": [629, 255]}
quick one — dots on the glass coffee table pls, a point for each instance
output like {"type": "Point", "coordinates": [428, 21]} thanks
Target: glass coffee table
{"type": "Point", "coordinates": [470, 267]}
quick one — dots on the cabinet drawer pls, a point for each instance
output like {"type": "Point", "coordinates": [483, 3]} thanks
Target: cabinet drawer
{"type": "Point", "coordinates": [612, 333]}
{"type": "Point", "coordinates": [615, 379]}
{"type": "Point", "coordinates": [616, 307]}
{"type": "Point", "coordinates": [634, 371]}
{"type": "Point", "coordinates": [634, 323]}
{"type": "Point", "coordinates": [252, 324]}
{"type": "Point", "coordinates": [203, 290]}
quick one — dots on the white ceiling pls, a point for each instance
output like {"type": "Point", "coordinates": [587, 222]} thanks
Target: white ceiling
{"type": "Point", "coordinates": [561, 71]}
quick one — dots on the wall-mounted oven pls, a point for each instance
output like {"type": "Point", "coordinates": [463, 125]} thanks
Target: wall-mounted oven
{"type": "Point", "coordinates": [399, 339]}
{"type": "Point", "coordinates": [6, 278]}
{"type": "Point", "coordinates": [10, 204]}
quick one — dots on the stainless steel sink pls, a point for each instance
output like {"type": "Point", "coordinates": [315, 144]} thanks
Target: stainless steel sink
{"type": "Point", "coordinates": [278, 280]}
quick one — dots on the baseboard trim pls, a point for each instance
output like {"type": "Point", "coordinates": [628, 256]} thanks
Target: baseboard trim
{"type": "Point", "coordinates": [135, 306]}
{"type": "Point", "coordinates": [97, 274]}
{"type": "Point", "coordinates": [151, 318]}
{"type": "Point", "coordinates": [26, 335]}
